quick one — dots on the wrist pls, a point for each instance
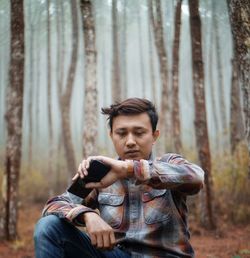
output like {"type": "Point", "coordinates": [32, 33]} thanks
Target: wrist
{"type": "Point", "coordinates": [130, 167]}
{"type": "Point", "coordinates": [85, 217]}
{"type": "Point", "coordinates": [89, 215]}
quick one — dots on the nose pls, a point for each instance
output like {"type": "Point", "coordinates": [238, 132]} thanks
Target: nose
{"type": "Point", "coordinates": [130, 141]}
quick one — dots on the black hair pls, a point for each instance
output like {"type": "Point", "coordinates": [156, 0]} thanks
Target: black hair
{"type": "Point", "coordinates": [132, 106]}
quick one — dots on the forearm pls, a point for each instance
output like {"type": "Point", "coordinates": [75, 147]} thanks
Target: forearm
{"type": "Point", "coordinates": [64, 207]}
{"type": "Point", "coordinates": [171, 172]}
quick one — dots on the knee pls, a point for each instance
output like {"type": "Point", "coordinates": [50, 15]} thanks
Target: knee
{"type": "Point", "coordinates": [47, 226]}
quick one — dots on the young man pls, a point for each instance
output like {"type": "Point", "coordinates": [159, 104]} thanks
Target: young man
{"type": "Point", "coordinates": [137, 210]}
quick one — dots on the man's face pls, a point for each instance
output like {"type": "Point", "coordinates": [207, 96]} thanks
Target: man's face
{"type": "Point", "coordinates": [132, 136]}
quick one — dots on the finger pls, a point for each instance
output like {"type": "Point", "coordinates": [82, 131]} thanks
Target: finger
{"type": "Point", "coordinates": [100, 158]}
{"type": "Point", "coordinates": [75, 176]}
{"type": "Point", "coordinates": [112, 238]}
{"type": "Point", "coordinates": [99, 241]}
{"type": "Point", "coordinates": [106, 241]}
{"type": "Point", "coordinates": [105, 160]}
{"type": "Point", "coordinates": [79, 167]}
{"type": "Point", "coordinates": [93, 239]}
{"type": "Point", "coordinates": [79, 171]}
{"type": "Point", "coordinates": [87, 163]}
{"type": "Point", "coordinates": [88, 160]}
{"type": "Point", "coordinates": [83, 168]}
{"type": "Point", "coordinates": [93, 185]}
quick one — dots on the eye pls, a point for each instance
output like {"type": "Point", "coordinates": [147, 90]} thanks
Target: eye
{"type": "Point", "coordinates": [121, 134]}
{"type": "Point", "coordinates": [139, 133]}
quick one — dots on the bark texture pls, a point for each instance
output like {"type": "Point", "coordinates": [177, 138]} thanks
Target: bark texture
{"type": "Point", "coordinates": [60, 78]}
{"type": "Point", "coordinates": [90, 103]}
{"type": "Point", "coordinates": [38, 77]}
{"type": "Point", "coordinates": [50, 158]}
{"type": "Point", "coordinates": [219, 69]}
{"type": "Point", "coordinates": [13, 116]}
{"type": "Point", "coordinates": [236, 121]}
{"type": "Point", "coordinates": [30, 87]}
{"type": "Point", "coordinates": [164, 119]}
{"type": "Point", "coordinates": [142, 68]}
{"type": "Point", "coordinates": [116, 80]}
{"type": "Point", "coordinates": [212, 80]}
{"type": "Point", "coordinates": [124, 51]}
{"type": "Point", "coordinates": [239, 13]}
{"type": "Point", "coordinates": [65, 98]}
{"type": "Point", "coordinates": [201, 131]}
{"type": "Point", "coordinates": [175, 81]}
{"type": "Point", "coordinates": [151, 55]}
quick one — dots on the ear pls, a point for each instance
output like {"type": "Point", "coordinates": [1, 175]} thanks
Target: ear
{"type": "Point", "coordinates": [110, 134]}
{"type": "Point", "coordinates": [156, 134]}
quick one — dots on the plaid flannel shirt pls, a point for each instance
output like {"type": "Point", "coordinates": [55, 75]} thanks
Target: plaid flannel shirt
{"type": "Point", "coordinates": [148, 212]}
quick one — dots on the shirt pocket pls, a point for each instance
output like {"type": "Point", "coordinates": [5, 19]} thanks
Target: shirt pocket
{"type": "Point", "coordinates": [157, 206]}
{"type": "Point", "coordinates": [111, 207]}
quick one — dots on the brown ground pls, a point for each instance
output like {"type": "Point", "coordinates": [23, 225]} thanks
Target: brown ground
{"type": "Point", "coordinates": [229, 242]}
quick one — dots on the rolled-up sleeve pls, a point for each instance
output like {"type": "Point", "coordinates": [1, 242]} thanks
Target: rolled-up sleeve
{"type": "Point", "coordinates": [171, 171]}
{"type": "Point", "coordinates": [67, 206]}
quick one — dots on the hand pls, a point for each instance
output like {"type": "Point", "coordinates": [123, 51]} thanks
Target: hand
{"type": "Point", "coordinates": [101, 234]}
{"type": "Point", "coordinates": [119, 170]}
{"type": "Point", "coordinates": [82, 169]}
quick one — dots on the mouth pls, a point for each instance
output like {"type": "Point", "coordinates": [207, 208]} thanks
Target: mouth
{"type": "Point", "coordinates": [132, 154]}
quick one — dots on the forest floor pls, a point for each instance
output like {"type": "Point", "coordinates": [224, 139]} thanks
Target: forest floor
{"type": "Point", "coordinates": [229, 241]}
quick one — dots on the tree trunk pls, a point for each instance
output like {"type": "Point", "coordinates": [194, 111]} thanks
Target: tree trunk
{"type": "Point", "coordinates": [213, 86]}
{"type": "Point", "coordinates": [2, 90]}
{"type": "Point", "coordinates": [201, 131]}
{"type": "Point", "coordinates": [142, 69]}
{"type": "Point", "coordinates": [236, 122]}
{"type": "Point", "coordinates": [164, 120]}
{"type": "Point", "coordinates": [38, 76]}
{"type": "Point", "coordinates": [90, 103]}
{"type": "Point", "coordinates": [175, 81]}
{"type": "Point", "coordinates": [13, 116]}
{"type": "Point", "coordinates": [50, 158]}
{"type": "Point", "coordinates": [105, 98]}
{"type": "Point", "coordinates": [220, 72]}
{"type": "Point", "coordinates": [60, 79]}
{"type": "Point", "coordinates": [151, 57]}
{"type": "Point", "coordinates": [60, 47]}
{"type": "Point", "coordinates": [116, 80]}
{"type": "Point", "coordinates": [239, 13]}
{"type": "Point", "coordinates": [58, 164]}
{"type": "Point", "coordinates": [4, 66]}
{"type": "Point", "coordinates": [65, 99]}
{"type": "Point", "coordinates": [216, 146]}
{"type": "Point", "coordinates": [124, 51]}
{"type": "Point", "coordinates": [30, 87]}
{"type": "Point", "coordinates": [67, 138]}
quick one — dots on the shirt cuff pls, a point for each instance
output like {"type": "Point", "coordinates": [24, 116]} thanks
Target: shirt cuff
{"type": "Point", "coordinates": [142, 170]}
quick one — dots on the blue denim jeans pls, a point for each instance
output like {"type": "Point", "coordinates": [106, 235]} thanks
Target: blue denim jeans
{"type": "Point", "coordinates": [55, 237]}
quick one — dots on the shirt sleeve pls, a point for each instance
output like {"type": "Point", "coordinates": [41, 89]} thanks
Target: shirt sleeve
{"type": "Point", "coordinates": [171, 171]}
{"type": "Point", "coordinates": [69, 206]}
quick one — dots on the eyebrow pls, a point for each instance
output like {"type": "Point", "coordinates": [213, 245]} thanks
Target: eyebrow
{"type": "Point", "coordinates": [134, 128]}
